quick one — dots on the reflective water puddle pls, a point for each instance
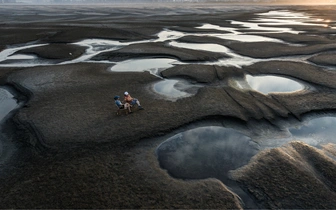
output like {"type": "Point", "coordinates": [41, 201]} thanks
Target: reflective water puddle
{"type": "Point", "coordinates": [286, 14]}
{"type": "Point", "coordinates": [268, 29]}
{"type": "Point", "coordinates": [153, 65]}
{"type": "Point", "coordinates": [208, 152]}
{"type": "Point", "coordinates": [24, 61]}
{"type": "Point", "coordinates": [167, 35]}
{"type": "Point", "coordinates": [198, 152]}
{"type": "Point", "coordinates": [272, 18]}
{"type": "Point", "coordinates": [9, 59]}
{"type": "Point", "coordinates": [96, 46]}
{"type": "Point", "coordinates": [174, 89]}
{"type": "Point", "coordinates": [7, 103]}
{"type": "Point", "coordinates": [234, 59]}
{"type": "Point", "coordinates": [205, 152]}
{"type": "Point", "coordinates": [286, 17]}
{"type": "Point", "coordinates": [206, 47]}
{"type": "Point", "coordinates": [213, 151]}
{"type": "Point", "coordinates": [236, 35]}
{"type": "Point", "coordinates": [21, 57]}
{"type": "Point", "coordinates": [273, 84]}
{"type": "Point", "coordinates": [7, 53]}
{"type": "Point", "coordinates": [315, 132]}
{"type": "Point", "coordinates": [263, 84]}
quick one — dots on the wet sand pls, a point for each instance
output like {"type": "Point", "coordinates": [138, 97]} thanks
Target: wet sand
{"type": "Point", "coordinates": [73, 151]}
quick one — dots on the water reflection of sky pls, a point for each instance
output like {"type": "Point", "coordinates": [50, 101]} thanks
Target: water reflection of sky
{"type": "Point", "coordinates": [21, 56]}
{"type": "Point", "coordinates": [7, 103]}
{"type": "Point", "coordinates": [167, 35]}
{"type": "Point", "coordinates": [206, 47]}
{"type": "Point", "coordinates": [321, 130]}
{"type": "Point", "coordinates": [315, 132]}
{"type": "Point", "coordinates": [208, 152]}
{"type": "Point", "coordinates": [8, 58]}
{"type": "Point", "coordinates": [286, 14]}
{"type": "Point", "coordinates": [153, 65]}
{"type": "Point", "coordinates": [209, 149]}
{"type": "Point", "coordinates": [169, 89]}
{"type": "Point", "coordinates": [236, 34]}
{"type": "Point", "coordinates": [286, 17]}
{"type": "Point", "coordinates": [96, 46]}
{"type": "Point", "coordinates": [234, 59]}
{"type": "Point", "coordinates": [5, 54]}
{"type": "Point", "coordinates": [272, 84]}
{"type": "Point", "coordinates": [212, 151]}
{"type": "Point", "coordinates": [268, 29]}
{"type": "Point", "coordinates": [263, 84]}
{"type": "Point", "coordinates": [266, 20]}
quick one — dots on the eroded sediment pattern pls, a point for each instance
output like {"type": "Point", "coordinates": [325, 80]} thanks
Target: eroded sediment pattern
{"type": "Point", "coordinates": [70, 149]}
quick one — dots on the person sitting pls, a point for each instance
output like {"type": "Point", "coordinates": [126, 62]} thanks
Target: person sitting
{"type": "Point", "coordinates": [120, 105]}
{"type": "Point", "coordinates": [128, 99]}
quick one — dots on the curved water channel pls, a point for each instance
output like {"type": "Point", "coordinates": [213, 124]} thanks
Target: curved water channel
{"type": "Point", "coordinates": [7, 104]}
{"type": "Point", "coordinates": [213, 151]}
{"type": "Point", "coordinates": [238, 32]}
{"type": "Point", "coordinates": [206, 151]}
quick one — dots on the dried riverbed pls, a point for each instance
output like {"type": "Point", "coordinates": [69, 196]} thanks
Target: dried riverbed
{"type": "Point", "coordinates": [213, 133]}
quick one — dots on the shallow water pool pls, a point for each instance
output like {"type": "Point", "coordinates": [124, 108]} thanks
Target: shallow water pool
{"type": "Point", "coordinates": [206, 152]}
{"type": "Point", "coordinates": [153, 65]}
{"type": "Point", "coordinates": [7, 103]}
{"type": "Point", "coordinates": [172, 89]}
{"type": "Point", "coordinates": [273, 84]}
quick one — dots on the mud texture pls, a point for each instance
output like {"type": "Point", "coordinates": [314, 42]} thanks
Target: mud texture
{"type": "Point", "coordinates": [60, 52]}
{"type": "Point", "coordinates": [73, 151]}
{"type": "Point", "coordinates": [327, 59]}
{"type": "Point", "coordinates": [158, 50]}
{"type": "Point", "coordinates": [274, 174]}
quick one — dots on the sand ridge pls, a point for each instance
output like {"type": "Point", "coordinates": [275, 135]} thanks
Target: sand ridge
{"type": "Point", "coordinates": [74, 152]}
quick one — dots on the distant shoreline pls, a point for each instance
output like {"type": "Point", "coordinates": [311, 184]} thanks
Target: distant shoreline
{"type": "Point", "coordinates": [130, 3]}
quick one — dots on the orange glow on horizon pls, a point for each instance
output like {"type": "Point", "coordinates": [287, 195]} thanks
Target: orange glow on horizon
{"type": "Point", "coordinates": [311, 2]}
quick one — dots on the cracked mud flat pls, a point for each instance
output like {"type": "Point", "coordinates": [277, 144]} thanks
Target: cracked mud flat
{"type": "Point", "coordinates": [66, 148]}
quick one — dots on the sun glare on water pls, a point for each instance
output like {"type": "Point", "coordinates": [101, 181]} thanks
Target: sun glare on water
{"type": "Point", "coordinates": [317, 2]}
{"type": "Point", "coordinates": [306, 2]}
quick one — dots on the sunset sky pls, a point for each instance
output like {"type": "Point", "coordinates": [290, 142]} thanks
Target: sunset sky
{"type": "Point", "coordinates": [302, 2]}
{"type": "Point", "coordinates": [316, 2]}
